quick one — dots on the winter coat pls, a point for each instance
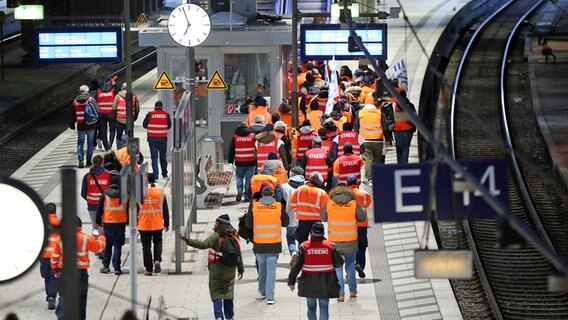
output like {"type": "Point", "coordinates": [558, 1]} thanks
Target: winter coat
{"type": "Point", "coordinates": [316, 285]}
{"type": "Point", "coordinates": [82, 98]}
{"type": "Point", "coordinates": [241, 131]}
{"type": "Point", "coordinates": [221, 276]}
{"type": "Point", "coordinates": [343, 195]}
{"type": "Point", "coordinates": [267, 137]}
{"type": "Point", "coordinates": [287, 189]}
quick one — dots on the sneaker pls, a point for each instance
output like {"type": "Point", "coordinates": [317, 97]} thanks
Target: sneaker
{"type": "Point", "coordinates": [157, 267]}
{"type": "Point", "coordinates": [99, 144]}
{"type": "Point", "coordinates": [239, 195]}
{"type": "Point", "coordinates": [341, 299]}
{"type": "Point", "coordinates": [360, 271]}
{"type": "Point", "coordinates": [89, 164]}
{"type": "Point", "coordinates": [262, 296]}
{"type": "Point", "coordinates": [81, 165]}
{"type": "Point", "coordinates": [147, 273]}
{"type": "Point", "coordinates": [51, 303]}
{"type": "Point", "coordinates": [293, 259]}
{"type": "Point", "coordinates": [270, 302]}
{"type": "Point", "coordinates": [118, 272]}
{"type": "Point", "coordinates": [247, 200]}
{"type": "Point", "coordinates": [105, 270]}
{"type": "Point", "coordinates": [353, 294]}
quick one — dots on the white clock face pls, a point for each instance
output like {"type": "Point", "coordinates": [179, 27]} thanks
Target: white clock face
{"type": "Point", "coordinates": [23, 234]}
{"type": "Point", "coordinates": [189, 25]}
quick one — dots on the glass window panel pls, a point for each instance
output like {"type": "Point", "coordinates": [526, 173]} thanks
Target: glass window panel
{"type": "Point", "coordinates": [248, 77]}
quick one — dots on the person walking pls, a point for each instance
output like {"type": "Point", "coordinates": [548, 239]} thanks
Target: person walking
{"type": "Point", "coordinates": [85, 244]}
{"type": "Point", "coordinates": [83, 129]}
{"type": "Point", "coordinates": [317, 260]}
{"type": "Point", "coordinates": [119, 109]}
{"type": "Point", "coordinates": [403, 132]}
{"type": "Point", "coordinates": [221, 276]}
{"type": "Point", "coordinates": [113, 216]}
{"type": "Point", "coordinates": [371, 129]}
{"type": "Point", "coordinates": [93, 186]}
{"type": "Point", "coordinates": [296, 180]}
{"type": "Point", "coordinates": [153, 218]}
{"type": "Point", "coordinates": [242, 154]}
{"type": "Point", "coordinates": [342, 214]}
{"type": "Point", "coordinates": [266, 217]}
{"type": "Point", "coordinates": [307, 201]}
{"type": "Point", "coordinates": [348, 163]}
{"type": "Point", "coordinates": [364, 201]}
{"type": "Point", "coordinates": [158, 122]}
{"type": "Point", "coordinates": [50, 282]}
{"type": "Point", "coordinates": [107, 119]}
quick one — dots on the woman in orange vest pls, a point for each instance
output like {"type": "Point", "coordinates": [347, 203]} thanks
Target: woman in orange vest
{"type": "Point", "coordinates": [51, 283]}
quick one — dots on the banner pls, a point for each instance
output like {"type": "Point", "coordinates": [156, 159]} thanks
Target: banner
{"type": "Point", "coordinates": [333, 96]}
{"type": "Point", "coordinates": [398, 70]}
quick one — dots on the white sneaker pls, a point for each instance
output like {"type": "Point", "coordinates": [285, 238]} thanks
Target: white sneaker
{"type": "Point", "coordinates": [270, 302]}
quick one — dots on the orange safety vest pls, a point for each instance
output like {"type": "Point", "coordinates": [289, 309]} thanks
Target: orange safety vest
{"type": "Point", "coordinates": [114, 212]}
{"type": "Point", "coordinates": [267, 222]}
{"type": "Point", "coordinates": [79, 111]}
{"type": "Point", "coordinates": [351, 137]}
{"type": "Point", "coordinates": [121, 107]}
{"type": "Point", "coordinates": [259, 111]}
{"type": "Point", "coordinates": [316, 162]}
{"type": "Point", "coordinates": [158, 124]}
{"type": "Point", "coordinates": [401, 125]}
{"type": "Point", "coordinates": [257, 180]}
{"type": "Point", "coordinates": [93, 191]}
{"type": "Point", "coordinates": [346, 165]}
{"type": "Point", "coordinates": [307, 201]}
{"type": "Point", "coordinates": [280, 174]}
{"type": "Point", "coordinates": [263, 149]}
{"type": "Point", "coordinates": [304, 143]}
{"type": "Point", "coordinates": [244, 148]}
{"type": "Point", "coordinates": [370, 127]}
{"type": "Point", "coordinates": [364, 201]}
{"type": "Point", "coordinates": [53, 237]}
{"type": "Point", "coordinates": [314, 117]}
{"type": "Point", "coordinates": [151, 212]}
{"type": "Point", "coordinates": [365, 90]}
{"type": "Point", "coordinates": [339, 123]}
{"type": "Point", "coordinates": [318, 256]}
{"type": "Point", "coordinates": [105, 101]}
{"type": "Point", "coordinates": [341, 221]}
{"type": "Point", "coordinates": [85, 243]}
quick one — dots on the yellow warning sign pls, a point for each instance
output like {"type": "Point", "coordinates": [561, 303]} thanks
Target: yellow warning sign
{"type": "Point", "coordinates": [164, 82]}
{"type": "Point", "coordinates": [216, 82]}
{"type": "Point", "coordinates": [141, 21]}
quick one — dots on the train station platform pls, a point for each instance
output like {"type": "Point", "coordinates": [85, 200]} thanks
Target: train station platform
{"type": "Point", "coordinates": [388, 292]}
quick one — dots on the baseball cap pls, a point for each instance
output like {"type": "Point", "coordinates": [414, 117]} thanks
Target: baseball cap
{"type": "Point", "coordinates": [280, 123]}
{"type": "Point", "coordinates": [158, 104]}
{"type": "Point", "coordinates": [318, 228]}
{"type": "Point", "coordinates": [351, 179]}
{"type": "Point", "coordinates": [84, 89]}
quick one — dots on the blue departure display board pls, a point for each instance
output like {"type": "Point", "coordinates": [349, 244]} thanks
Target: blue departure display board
{"type": "Point", "coordinates": [323, 41]}
{"type": "Point", "coordinates": [65, 45]}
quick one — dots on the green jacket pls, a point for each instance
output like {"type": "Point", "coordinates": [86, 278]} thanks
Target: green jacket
{"type": "Point", "coordinates": [221, 277]}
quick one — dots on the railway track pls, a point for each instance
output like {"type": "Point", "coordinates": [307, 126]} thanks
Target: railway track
{"type": "Point", "coordinates": [28, 135]}
{"type": "Point", "coordinates": [491, 117]}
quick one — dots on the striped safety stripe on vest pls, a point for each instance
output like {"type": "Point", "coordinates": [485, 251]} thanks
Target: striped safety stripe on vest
{"type": "Point", "coordinates": [307, 210]}
{"type": "Point", "coordinates": [318, 257]}
{"type": "Point", "coordinates": [105, 101]}
{"type": "Point", "coordinates": [351, 137]}
{"type": "Point", "coordinates": [304, 143]}
{"type": "Point", "coordinates": [244, 148]}
{"type": "Point", "coordinates": [121, 106]}
{"type": "Point", "coordinates": [79, 111]}
{"type": "Point", "coordinates": [316, 162]}
{"type": "Point", "coordinates": [158, 124]}
{"type": "Point", "coordinates": [349, 164]}
{"type": "Point", "coordinates": [264, 149]}
{"type": "Point", "coordinates": [341, 221]}
{"type": "Point", "coordinates": [151, 212]}
{"type": "Point", "coordinates": [370, 124]}
{"type": "Point", "coordinates": [114, 212]}
{"type": "Point", "coordinates": [267, 223]}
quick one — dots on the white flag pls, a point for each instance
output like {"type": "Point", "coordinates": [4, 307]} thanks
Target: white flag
{"type": "Point", "coordinates": [398, 70]}
{"type": "Point", "coordinates": [333, 95]}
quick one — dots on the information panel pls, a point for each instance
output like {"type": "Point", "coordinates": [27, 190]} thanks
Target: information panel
{"type": "Point", "coordinates": [323, 41]}
{"type": "Point", "coordinates": [65, 45]}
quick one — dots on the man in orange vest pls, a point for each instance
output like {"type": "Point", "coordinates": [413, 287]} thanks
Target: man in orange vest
{"type": "Point", "coordinates": [266, 217]}
{"type": "Point", "coordinates": [47, 274]}
{"type": "Point", "coordinates": [261, 110]}
{"type": "Point", "coordinates": [342, 214]}
{"type": "Point", "coordinates": [371, 129]}
{"type": "Point", "coordinates": [307, 201]}
{"type": "Point", "coordinates": [266, 176]}
{"type": "Point", "coordinates": [153, 217]}
{"type": "Point", "coordinates": [242, 154]}
{"type": "Point", "coordinates": [113, 216]}
{"type": "Point", "coordinates": [107, 119]}
{"type": "Point", "coordinates": [85, 244]}
{"type": "Point", "coordinates": [364, 201]}
{"type": "Point", "coordinates": [119, 109]}
{"type": "Point", "coordinates": [158, 122]}
{"type": "Point", "coordinates": [403, 132]}
{"type": "Point", "coordinates": [347, 164]}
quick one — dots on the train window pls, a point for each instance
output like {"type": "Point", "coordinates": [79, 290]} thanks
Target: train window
{"type": "Point", "coordinates": [247, 76]}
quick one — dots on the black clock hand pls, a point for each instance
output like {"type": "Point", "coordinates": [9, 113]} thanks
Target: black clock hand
{"type": "Point", "coordinates": [186, 18]}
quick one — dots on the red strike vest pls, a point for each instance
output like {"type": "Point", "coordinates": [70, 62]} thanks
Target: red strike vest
{"type": "Point", "coordinates": [304, 143]}
{"type": "Point", "coordinates": [349, 164]}
{"type": "Point", "coordinates": [244, 148]}
{"type": "Point", "coordinates": [351, 137]}
{"type": "Point", "coordinates": [315, 162]}
{"type": "Point", "coordinates": [158, 124]}
{"type": "Point", "coordinates": [318, 257]}
{"type": "Point", "coordinates": [93, 192]}
{"type": "Point", "coordinates": [121, 107]}
{"type": "Point", "coordinates": [264, 149]}
{"type": "Point", "coordinates": [327, 146]}
{"type": "Point", "coordinates": [330, 135]}
{"type": "Point", "coordinates": [105, 100]}
{"type": "Point", "coordinates": [322, 103]}
{"type": "Point", "coordinates": [79, 111]}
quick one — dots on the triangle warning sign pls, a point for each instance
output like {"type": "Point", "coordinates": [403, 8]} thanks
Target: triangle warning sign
{"type": "Point", "coordinates": [141, 20]}
{"type": "Point", "coordinates": [164, 82]}
{"type": "Point", "coordinates": [216, 82]}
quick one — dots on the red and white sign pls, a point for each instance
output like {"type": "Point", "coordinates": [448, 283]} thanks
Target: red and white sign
{"type": "Point", "coordinates": [229, 108]}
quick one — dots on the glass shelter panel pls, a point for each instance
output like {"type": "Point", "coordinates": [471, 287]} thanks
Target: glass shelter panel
{"type": "Point", "coordinates": [247, 77]}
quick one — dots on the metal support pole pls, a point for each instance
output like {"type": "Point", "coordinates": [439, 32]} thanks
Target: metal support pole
{"type": "Point", "coordinates": [178, 203]}
{"type": "Point", "coordinates": [70, 274]}
{"type": "Point", "coordinates": [294, 57]}
{"type": "Point", "coordinates": [191, 88]}
{"type": "Point", "coordinates": [2, 45]}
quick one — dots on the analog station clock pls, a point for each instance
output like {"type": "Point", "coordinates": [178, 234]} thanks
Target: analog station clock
{"type": "Point", "coordinates": [189, 25]}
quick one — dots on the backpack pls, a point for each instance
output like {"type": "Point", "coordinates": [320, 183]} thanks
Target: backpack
{"type": "Point", "coordinates": [91, 113]}
{"type": "Point", "coordinates": [388, 115]}
{"type": "Point", "coordinates": [244, 231]}
{"type": "Point", "coordinates": [231, 251]}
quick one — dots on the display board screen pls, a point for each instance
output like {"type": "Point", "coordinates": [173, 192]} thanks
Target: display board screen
{"type": "Point", "coordinates": [65, 45]}
{"type": "Point", "coordinates": [323, 41]}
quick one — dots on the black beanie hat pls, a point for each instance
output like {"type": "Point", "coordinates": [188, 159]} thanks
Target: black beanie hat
{"type": "Point", "coordinates": [224, 218]}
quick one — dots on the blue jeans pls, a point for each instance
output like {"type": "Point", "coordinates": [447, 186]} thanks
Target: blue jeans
{"type": "Point", "coordinates": [120, 130]}
{"type": "Point", "coordinates": [245, 173]}
{"type": "Point", "coordinates": [267, 273]}
{"type": "Point", "coordinates": [48, 277]}
{"type": "Point", "coordinates": [313, 305]}
{"type": "Point", "coordinates": [107, 121]}
{"type": "Point", "coordinates": [349, 258]}
{"type": "Point", "coordinates": [291, 239]}
{"type": "Point", "coordinates": [159, 149]}
{"type": "Point", "coordinates": [81, 141]}
{"type": "Point", "coordinates": [83, 290]}
{"type": "Point", "coordinates": [220, 305]}
{"type": "Point", "coordinates": [115, 236]}
{"type": "Point", "coordinates": [403, 140]}
{"type": "Point", "coordinates": [362, 243]}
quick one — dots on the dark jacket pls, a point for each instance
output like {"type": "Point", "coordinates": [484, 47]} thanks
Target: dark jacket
{"type": "Point", "coordinates": [241, 131]}
{"type": "Point", "coordinates": [113, 191]}
{"type": "Point", "coordinates": [267, 137]}
{"type": "Point", "coordinates": [81, 98]}
{"type": "Point", "coordinates": [316, 285]}
{"type": "Point", "coordinates": [221, 277]}
{"type": "Point", "coordinates": [271, 247]}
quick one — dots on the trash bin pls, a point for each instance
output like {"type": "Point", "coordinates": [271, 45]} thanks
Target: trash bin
{"type": "Point", "coordinates": [213, 146]}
